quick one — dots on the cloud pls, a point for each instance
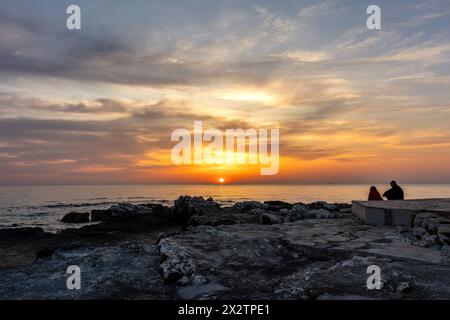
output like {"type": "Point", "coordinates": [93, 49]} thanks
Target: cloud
{"type": "Point", "coordinates": [306, 56]}
{"type": "Point", "coordinates": [429, 54]}
{"type": "Point", "coordinates": [101, 103]}
{"type": "Point", "coordinates": [319, 9]}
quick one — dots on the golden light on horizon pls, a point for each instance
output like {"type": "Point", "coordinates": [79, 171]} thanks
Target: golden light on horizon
{"type": "Point", "coordinates": [221, 180]}
{"type": "Point", "coordinates": [248, 96]}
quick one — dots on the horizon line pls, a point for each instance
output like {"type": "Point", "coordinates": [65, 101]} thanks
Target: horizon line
{"type": "Point", "coordinates": [218, 184]}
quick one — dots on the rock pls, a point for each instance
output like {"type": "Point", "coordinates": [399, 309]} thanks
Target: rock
{"type": "Point", "coordinates": [299, 208]}
{"type": "Point", "coordinates": [161, 236]}
{"type": "Point", "coordinates": [402, 289]}
{"type": "Point", "coordinates": [202, 291]}
{"type": "Point", "coordinates": [122, 207]}
{"type": "Point", "coordinates": [267, 218]}
{"type": "Point", "coordinates": [126, 210]}
{"type": "Point", "coordinates": [343, 206]}
{"type": "Point", "coordinates": [443, 239]}
{"type": "Point", "coordinates": [346, 297]}
{"type": "Point", "coordinates": [401, 229]}
{"type": "Point", "coordinates": [335, 215]}
{"type": "Point", "coordinates": [176, 265]}
{"type": "Point", "coordinates": [322, 214]}
{"type": "Point", "coordinates": [100, 215]}
{"type": "Point", "coordinates": [76, 217]}
{"type": "Point", "coordinates": [309, 259]}
{"type": "Point", "coordinates": [248, 205]}
{"type": "Point", "coordinates": [431, 240]}
{"type": "Point", "coordinates": [420, 243]}
{"type": "Point", "coordinates": [422, 218]}
{"type": "Point", "coordinates": [298, 211]}
{"type": "Point", "coordinates": [22, 233]}
{"type": "Point", "coordinates": [432, 226]}
{"type": "Point", "coordinates": [431, 230]}
{"type": "Point", "coordinates": [278, 205]}
{"type": "Point", "coordinates": [444, 251]}
{"type": "Point", "coordinates": [257, 211]}
{"type": "Point", "coordinates": [210, 220]}
{"type": "Point", "coordinates": [322, 205]}
{"type": "Point", "coordinates": [46, 252]}
{"type": "Point", "coordinates": [111, 271]}
{"type": "Point", "coordinates": [293, 216]}
{"type": "Point", "coordinates": [444, 230]}
{"type": "Point", "coordinates": [443, 220]}
{"type": "Point", "coordinates": [185, 207]}
{"type": "Point", "coordinates": [419, 232]}
{"type": "Point", "coordinates": [318, 214]}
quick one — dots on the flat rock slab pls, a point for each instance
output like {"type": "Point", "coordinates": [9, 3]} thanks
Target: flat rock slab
{"type": "Point", "coordinates": [311, 259]}
{"type": "Point", "coordinates": [196, 291]}
{"type": "Point", "coordinates": [306, 259]}
{"type": "Point", "coordinates": [126, 271]}
{"type": "Point", "coordinates": [342, 235]}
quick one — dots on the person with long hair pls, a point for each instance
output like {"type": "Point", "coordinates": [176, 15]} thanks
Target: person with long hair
{"type": "Point", "coordinates": [374, 195]}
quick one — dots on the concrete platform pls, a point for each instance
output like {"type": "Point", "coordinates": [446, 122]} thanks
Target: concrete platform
{"type": "Point", "coordinates": [398, 212]}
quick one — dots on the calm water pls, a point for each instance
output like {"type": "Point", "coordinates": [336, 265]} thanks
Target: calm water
{"type": "Point", "coordinates": [45, 205]}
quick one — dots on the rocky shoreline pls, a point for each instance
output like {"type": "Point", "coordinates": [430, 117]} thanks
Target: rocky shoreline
{"type": "Point", "coordinates": [197, 249]}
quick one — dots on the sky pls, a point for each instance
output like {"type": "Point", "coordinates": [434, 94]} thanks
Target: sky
{"type": "Point", "coordinates": [98, 105]}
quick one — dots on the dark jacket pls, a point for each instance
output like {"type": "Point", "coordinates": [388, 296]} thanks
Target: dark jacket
{"type": "Point", "coordinates": [395, 193]}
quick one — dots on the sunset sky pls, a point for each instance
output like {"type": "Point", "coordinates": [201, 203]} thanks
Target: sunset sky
{"type": "Point", "coordinates": [98, 105]}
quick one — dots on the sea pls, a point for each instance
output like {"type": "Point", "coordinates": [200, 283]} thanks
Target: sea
{"type": "Point", "coordinates": [44, 206]}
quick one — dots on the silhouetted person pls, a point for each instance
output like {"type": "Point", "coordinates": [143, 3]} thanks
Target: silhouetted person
{"type": "Point", "coordinates": [395, 192]}
{"type": "Point", "coordinates": [374, 195]}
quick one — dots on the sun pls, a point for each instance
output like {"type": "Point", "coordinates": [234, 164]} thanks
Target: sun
{"type": "Point", "coordinates": [221, 180]}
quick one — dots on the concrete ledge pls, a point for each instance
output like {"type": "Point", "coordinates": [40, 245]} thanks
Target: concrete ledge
{"type": "Point", "coordinates": [398, 212]}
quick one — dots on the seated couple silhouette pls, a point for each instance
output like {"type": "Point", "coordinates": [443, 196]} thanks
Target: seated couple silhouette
{"type": "Point", "coordinates": [394, 193]}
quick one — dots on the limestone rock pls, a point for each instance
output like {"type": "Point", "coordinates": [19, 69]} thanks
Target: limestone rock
{"type": "Point", "coordinates": [278, 205]}
{"type": "Point", "coordinates": [267, 218]}
{"type": "Point", "coordinates": [125, 210]}
{"type": "Point", "coordinates": [322, 214]}
{"type": "Point", "coordinates": [431, 230]}
{"type": "Point", "coordinates": [248, 205]}
{"type": "Point", "coordinates": [431, 240]}
{"type": "Point", "coordinates": [422, 218]}
{"type": "Point", "coordinates": [257, 211]}
{"type": "Point", "coordinates": [76, 217]}
{"type": "Point", "coordinates": [419, 232]}
{"type": "Point", "coordinates": [176, 265]}
{"type": "Point", "coordinates": [402, 289]}
{"type": "Point", "coordinates": [185, 207]}
{"type": "Point", "coordinates": [322, 205]}
{"type": "Point", "coordinates": [200, 291]}
{"type": "Point", "coordinates": [293, 216]}
{"type": "Point", "coordinates": [299, 208]}
{"type": "Point", "coordinates": [100, 215]}
{"type": "Point", "coordinates": [444, 229]}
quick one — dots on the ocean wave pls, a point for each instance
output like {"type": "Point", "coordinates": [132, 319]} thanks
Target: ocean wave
{"type": "Point", "coordinates": [78, 205]}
